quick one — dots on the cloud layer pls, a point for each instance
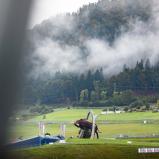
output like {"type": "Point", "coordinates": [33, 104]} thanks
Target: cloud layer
{"type": "Point", "coordinates": [139, 42]}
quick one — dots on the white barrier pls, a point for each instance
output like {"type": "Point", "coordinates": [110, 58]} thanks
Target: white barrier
{"type": "Point", "coordinates": [41, 128]}
{"type": "Point", "coordinates": [63, 130]}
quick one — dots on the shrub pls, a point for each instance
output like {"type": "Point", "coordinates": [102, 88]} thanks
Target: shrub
{"type": "Point", "coordinates": [155, 110]}
{"type": "Point", "coordinates": [41, 109]}
{"type": "Point", "coordinates": [126, 109]}
{"type": "Point", "coordinates": [137, 103]}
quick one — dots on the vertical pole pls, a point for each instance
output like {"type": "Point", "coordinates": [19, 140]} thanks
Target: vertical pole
{"type": "Point", "coordinates": [63, 130]}
{"type": "Point", "coordinates": [40, 131]}
{"type": "Point", "coordinates": [41, 128]}
{"type": "Point", "coordinates": [93, 125]}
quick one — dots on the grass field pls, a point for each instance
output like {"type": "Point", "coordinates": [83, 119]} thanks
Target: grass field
{"type": "Point", "coordinates": [107, 147]}
{"type": "Point", "coordinates": [108, 130]}
{"type": "Point", "coordinates": [89, 149]}
{"type": "Point", "coordinates": [74, 114]}
{"type": "Point", "coordinates": [130, 124]}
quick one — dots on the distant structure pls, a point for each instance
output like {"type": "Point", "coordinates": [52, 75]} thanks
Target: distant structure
{"type": "Point", "coordinates": [112, 112]}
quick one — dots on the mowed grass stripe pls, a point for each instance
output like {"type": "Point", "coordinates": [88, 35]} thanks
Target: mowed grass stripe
{"type": "Point", "coordinates": [70, 115]}
{"type": "Point", "coordinates": [95, 151]}
{"type": "Point", "coordinates": [28, 130]}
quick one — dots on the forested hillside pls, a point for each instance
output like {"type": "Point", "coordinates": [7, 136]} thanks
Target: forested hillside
{"type": "Point", "coordinates": [94, 89]}
{"type": "Point", "coordinates": [104, 20]}
{"type": "Point", "coordinates": [67, 66]}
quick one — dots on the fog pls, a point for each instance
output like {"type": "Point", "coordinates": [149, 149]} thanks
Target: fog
{"type": "Point", "coordinates": [139, 42]}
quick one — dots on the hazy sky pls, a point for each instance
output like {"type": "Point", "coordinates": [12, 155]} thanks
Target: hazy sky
{"type": "Point", "coordinates": [43, 9]}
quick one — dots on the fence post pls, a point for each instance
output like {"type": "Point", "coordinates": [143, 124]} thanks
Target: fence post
{"type": "Point", "coordinates": [41, 128]}
{"type": "Point", "coordinates": [63, 130]}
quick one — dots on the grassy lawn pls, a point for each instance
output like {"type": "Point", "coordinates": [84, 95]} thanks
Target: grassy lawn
{"type": "Point", "coordinates": [105, 148]}
{"type": "Point", "coordinates": [110, 129]}
{"type": "Point", "coordinates": [132, 116]}
{"type": "Point", "coordinates": [134, 141]}
{"type": "Point", "coordinates": [84, 150]}
{"type": "Point", "coordinates": [66, 115]}
{"type": "Point", "coordinates": [28, 130]}
{"type": "Point", "coordinates": [73, 114]}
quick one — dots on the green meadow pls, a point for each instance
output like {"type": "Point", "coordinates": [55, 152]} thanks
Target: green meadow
{"type": "Point", "coordinates": [89, 149]}
{"type": "Point", "coordinates": [111, 125]}
{"type": "Point", "coordinates": [107, 147]}
{"type": "Point", "coordinates": [65, 115]}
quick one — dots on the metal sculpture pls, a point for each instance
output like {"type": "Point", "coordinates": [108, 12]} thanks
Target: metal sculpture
{"type": "Point", "coordinates": [88, 129]}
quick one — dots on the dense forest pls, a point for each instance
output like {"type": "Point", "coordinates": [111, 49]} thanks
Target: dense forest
{"type": "Point", "coordinates": [89, 86]}
{"type": "Point", "coordinates": [93, 89]}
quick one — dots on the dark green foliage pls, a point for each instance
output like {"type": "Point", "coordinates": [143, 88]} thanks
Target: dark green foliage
{"type": "Point", "coordinates": [41, 110]}
{"type": "Point", "coordinates": [126, 109]}
{"type": "Point", "coordinates": [123, 98]}
{"type": "Point", "coordinates": [136, 103]}
{"type": "Point", "coordinates": [134, 87]}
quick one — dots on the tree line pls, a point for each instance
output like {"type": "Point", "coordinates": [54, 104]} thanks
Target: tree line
{"type": "Point", "coordinates": [132, 85]}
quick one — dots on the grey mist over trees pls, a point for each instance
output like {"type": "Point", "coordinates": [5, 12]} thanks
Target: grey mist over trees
{"type": "Point", "coordinates": [105, 54]}
{"type": "Point", "coordinates": [106, 34]}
